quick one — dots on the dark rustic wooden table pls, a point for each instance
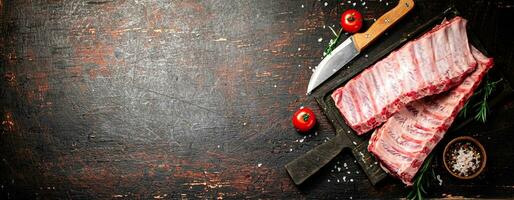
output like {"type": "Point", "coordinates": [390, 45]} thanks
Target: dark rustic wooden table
{"type": "Point", "coordinates": [192, 99]}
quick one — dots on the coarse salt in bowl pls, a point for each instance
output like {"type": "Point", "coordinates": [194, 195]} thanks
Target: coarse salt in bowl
{"type": "Point", "coordinates": [464, 157]}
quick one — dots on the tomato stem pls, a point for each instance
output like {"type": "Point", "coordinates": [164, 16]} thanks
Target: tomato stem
{"type": "Point", "coordinates": [351, 18]}
{"type": "Point", "coordinates": [306, 117]}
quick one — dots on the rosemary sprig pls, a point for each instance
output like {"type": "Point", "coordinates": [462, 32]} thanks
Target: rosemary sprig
{"type": "Point", "coordinates": [464, 112]}
{"type": "Point", "coordinates": [422, 180]}
{"type": "Point", "coordinates": [482, 106]}
{"type": "Point", "coordinates": [332, 44]}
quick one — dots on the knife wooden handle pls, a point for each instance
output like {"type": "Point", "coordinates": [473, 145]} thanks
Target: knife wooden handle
{"type": "Point", "coordinates": [362, 40]}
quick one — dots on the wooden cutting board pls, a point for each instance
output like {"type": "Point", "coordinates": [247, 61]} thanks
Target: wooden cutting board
{"type": "Point", "coordinates": [409, 28]}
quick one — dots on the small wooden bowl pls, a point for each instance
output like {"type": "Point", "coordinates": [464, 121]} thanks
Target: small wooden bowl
{"type": "Point", "coordinates": [483, 157]}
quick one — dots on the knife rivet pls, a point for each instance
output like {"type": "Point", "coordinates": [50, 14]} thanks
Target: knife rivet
{"type": "Point", "coordinates": [407, 5]}
{"type": "Point", "coordinates": [367, 35]}
{"type": "Point", "coordinates": [386, 20]}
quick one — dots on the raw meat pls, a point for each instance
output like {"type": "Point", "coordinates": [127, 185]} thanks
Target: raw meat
{"type": "Point", "coordinates": [405, 140]}
{"type": "Point", "coordinates": [431, 64]}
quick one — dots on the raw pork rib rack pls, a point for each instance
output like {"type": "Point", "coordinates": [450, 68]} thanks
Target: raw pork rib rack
{"type": "Point", "coordinates": [431, 64]}
{"type": "Point", "coordinates": [405, 140]}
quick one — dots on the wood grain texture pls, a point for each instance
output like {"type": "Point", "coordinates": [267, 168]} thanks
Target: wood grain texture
{"type": "Point", "coordinates": [382, 24]}
{"type": "Point", "coordinates": [142, 99]}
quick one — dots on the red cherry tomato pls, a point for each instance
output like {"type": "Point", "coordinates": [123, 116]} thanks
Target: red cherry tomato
{"type": "Point", "coordinates": [351, 20]}
{"type": "Point", "coordinates": [304, 119]}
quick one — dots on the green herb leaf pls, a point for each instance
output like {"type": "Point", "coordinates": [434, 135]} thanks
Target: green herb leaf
{"type": "Point", "coordinates": [422, 189]}
{"type": "Point", "coordinates": [464, 112]}
{"type": "Point", "coordinates": [422, 180]}
{"type": "Point", "coordinates": [332, 44]}
{"type": "Point", "coordinates": [411, 195]}
{"type": "Point", "coordinates": [420, 196]}
{"type": "Point", "coordinates": [482, 106]}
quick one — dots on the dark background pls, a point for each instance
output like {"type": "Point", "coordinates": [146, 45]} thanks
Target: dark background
{"type": "Point", "coordinates": [193, 99]}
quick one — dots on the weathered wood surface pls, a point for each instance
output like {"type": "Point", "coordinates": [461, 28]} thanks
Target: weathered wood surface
{"type": "Point", "coordinates": [193, 99]}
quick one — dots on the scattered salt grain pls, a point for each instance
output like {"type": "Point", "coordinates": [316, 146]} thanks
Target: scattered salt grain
{"type": "Point", "coordinates": [354, 143]}
{"type": "Point", "coordinates": [259, 165]}
{"type": "Point", "coordinates": [315, 133]}
{"type": "Point", "coordinates": [274, 85]}
{"type": "Point", "coordinates": [328, 180]}
{"type": "Point", "coordinates": [219, 146]}
{"type": "Point", "coordinates": [304, 6]}
{"type": "Point", "coordinates": [351, 180]}
{"type": "Point", "coordinates": [299, 65]}
{"type": "Point", "coordinates": [353, 4]}
{"type": "Point", "coordinates": [344, 178]}
{"type": "Point", "coordinates": [291, 150]}
{"type": "Point", "coordinates": [244, 124]}
{"type": "Point", "coordinates": [387, 3]}
{"type": "Point", "coordinates": [338, 169]}
{"type": "Point", "coordinates": [320, 39]}
{"type": "Point", "coordinates": [363, 3]}
{"type": "Point", "coordinates": [349, 2]}
{"type": "Point", "coordinates": [338, 181]}
{"type": "Point", "coordinates": [299, 49]}
{"type": "Point", "coordinates": [440, 180]}
{"type": "Point", "coordinates": [326, 4]}
{"type": "Point", "coordinates": [301, 140]}
{"type": "Point", "coordinates": [366, 55]}
{"type": "Point", "coordinates": [345, 165]}
{"type": "Point", "coordinates": [357, 172]}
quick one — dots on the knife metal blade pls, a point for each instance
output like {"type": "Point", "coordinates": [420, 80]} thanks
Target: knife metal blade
{"type": "Point", "coordinates": [338, 58]}
{"type": "Point", "coordinates": [352, 46]}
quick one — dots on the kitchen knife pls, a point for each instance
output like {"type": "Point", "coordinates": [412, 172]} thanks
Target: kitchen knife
{"type": "Point", "coordinates": [352, 46]}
